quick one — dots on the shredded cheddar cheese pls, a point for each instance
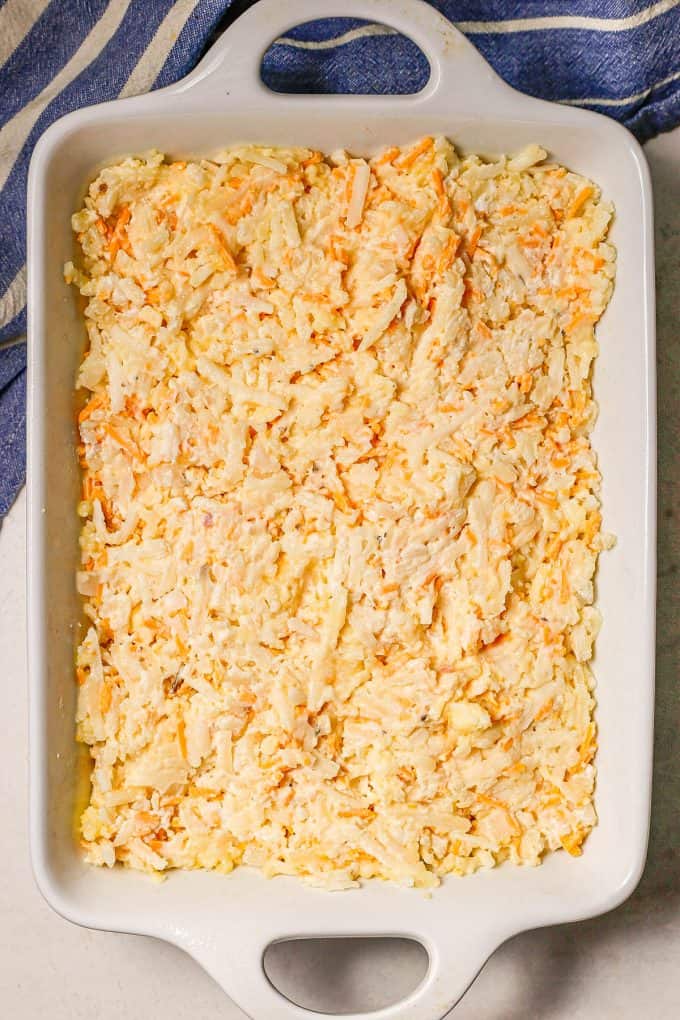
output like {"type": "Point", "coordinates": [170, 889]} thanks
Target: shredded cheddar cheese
{"type": "Point", "coordinates": [340, 515]}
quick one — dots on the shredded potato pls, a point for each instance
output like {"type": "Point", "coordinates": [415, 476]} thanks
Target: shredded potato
{"type": "Point", "coordinates": [340, 511]}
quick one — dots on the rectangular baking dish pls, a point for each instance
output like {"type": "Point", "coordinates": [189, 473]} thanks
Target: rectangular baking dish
{"type": "Point", "coordinates": [227, 922]}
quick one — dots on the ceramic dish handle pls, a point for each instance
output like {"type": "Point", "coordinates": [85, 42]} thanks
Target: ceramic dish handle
{"type": "Point", "coordinates": [233, 63]}
{"type": "Point", "coordinates": [235, 961]}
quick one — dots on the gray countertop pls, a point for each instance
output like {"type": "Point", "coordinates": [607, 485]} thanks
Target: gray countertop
{"type": "Point", "coordinates": [623, 965]}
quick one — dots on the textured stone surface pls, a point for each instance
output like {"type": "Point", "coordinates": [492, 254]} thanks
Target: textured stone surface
{"type": "Point", "coordinates": [624, 965]}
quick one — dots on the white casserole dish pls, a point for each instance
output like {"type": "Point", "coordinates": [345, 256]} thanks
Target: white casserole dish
{"type": "Point", "coordinates": [227, 922]}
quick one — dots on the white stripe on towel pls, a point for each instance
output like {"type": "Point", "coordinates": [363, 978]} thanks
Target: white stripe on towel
{"type": "Point", "coordinates": [633, 98]}
{"type": "Point", "coordinates": [17, 18]}
{"type": "Point", "coordinates": [14, 298]}
{"type": "Point", "coordinates": [339, 40]}
{"type": "Point", "coordinates": [146, 71]}
{"type": "Point", "coordinates": [568, 21]}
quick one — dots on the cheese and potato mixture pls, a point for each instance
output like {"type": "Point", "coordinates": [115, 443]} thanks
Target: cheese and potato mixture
{"type": "Point", "coordinates": [340, 514]}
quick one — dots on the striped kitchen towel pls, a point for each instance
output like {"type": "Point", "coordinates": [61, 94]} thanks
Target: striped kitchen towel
{"type": "Point", "coordinates": [621, 57]}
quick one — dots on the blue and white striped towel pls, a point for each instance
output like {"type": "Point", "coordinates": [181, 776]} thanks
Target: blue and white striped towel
{"type": "Point", "coordinates": [621, 57]}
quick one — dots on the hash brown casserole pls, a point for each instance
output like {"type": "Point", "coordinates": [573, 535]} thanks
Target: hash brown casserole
{"type": "Point", "coordinates": [340, 510]}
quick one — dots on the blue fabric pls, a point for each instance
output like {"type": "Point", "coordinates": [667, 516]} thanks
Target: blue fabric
{"type": "Point", "coordinates": [620, 57]}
